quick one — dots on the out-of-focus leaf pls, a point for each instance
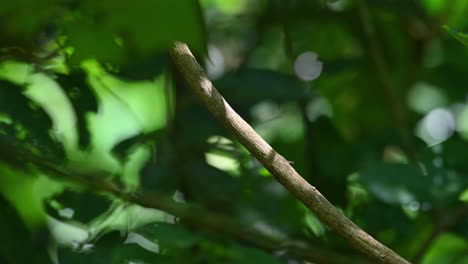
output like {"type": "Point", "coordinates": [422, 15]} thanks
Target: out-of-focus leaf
{"type": "Point", "coordinates": [464, 196]}
{"type": "Point", "coordinates": [460, 36]}
{"type": "Point", "coordinates": [169, 235]}
{"type": "Point", "coordinates": [83, 100]}
{"type": "Point", "coordinates": [24, 25]}
{"type": "Point", "coordinates": [123, 148]}
{"type": "Point", "coordinates": [447, 248]}
{"type": "Point", "coordinates": [111, 248]}
{"type": "Point", "coordinates": [210, 185]}
{"type": "Point", "coordinates": [239, 255]}
{"type": "Point", "coordinates": [85, 206]}
{"type": "Point", "coordinates": [408, 185]}
{"type": "Point", "coordinates": [314, 224]}
{"type": "Point", "coordinates": [248, 86]}
{"type": "Point", "coordinates": [114, 31]}
{"type": "Point", "coordinates": [27, 120]}
{"type": "Point", "coordinates": [267, 205]}
{"type": "Point", "coordinates": [388, 223]}
{"type": "Point", "coordinates": [145, 69]}
{"type": "Point", "coordinates": [21, 244]}
{"type": "Point", "coordinates": [400, 6]}
{"type": "Point", "coordinates": [27, 191]}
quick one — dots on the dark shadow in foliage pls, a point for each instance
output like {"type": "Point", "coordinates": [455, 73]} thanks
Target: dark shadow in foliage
{"type": "Point", "coordinates": [86, 205]}
{"type": "Point", "coordinates": [120, 32]}
{"type": "Point", "coordinates": [145, 69]}
{"type": "Point", "coordinates": [405, 184]}
{"type": "Point", "coordinates": [110, 248]}
{"type": "Point", "coordinates": [269, 204]}
{"type": "Point", "coordinates": [157, 174]}
{"type": "Point", "coordinates": [170, 236]}
{"type": "Point", "coordinates": [250, 86]}
{"type": "Point", "coordinates": [452, 153]}
{"type": "Point", "coordinates": [189, 247]}
{"type": "Point", "coordinates": [29, 122]}
{"type": "Point", "coordinates": [19, 245]}
{"type": "Point", "coordinates": [193, 134]}
{"type": "Point", "coordinates": [83, 99]}
{"type": "Point", "coordinates": [122, 149]}
{"type": "Point", "coordinates": [210, 186]}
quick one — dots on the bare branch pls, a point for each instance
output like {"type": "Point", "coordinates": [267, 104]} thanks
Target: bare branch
{"type": "Point", "coordinates": [284, 173]}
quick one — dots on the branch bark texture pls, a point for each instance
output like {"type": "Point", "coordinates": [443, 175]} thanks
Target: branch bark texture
{"type": "Point", "coordinates": [276, 164]}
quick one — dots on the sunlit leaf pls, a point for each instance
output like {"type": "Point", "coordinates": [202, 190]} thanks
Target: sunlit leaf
{"type": "Point", "coordinates": [464, 196]}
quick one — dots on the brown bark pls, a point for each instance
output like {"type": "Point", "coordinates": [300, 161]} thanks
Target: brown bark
{"type": "Point", "coordinates": [274, 162]}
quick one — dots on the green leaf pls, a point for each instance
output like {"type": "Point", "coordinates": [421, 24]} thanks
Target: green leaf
{"type": "Point", "coordinates": [25, 121]}
{"type": "Point", "coordinates": [408, 185]}
{"type": "Point", "coordinates": [460, 36]}
{"type": "Point", "coordinates": [169, 235]}
{"type": "Point", "coordinates": [240, 255]}
{"type": "Point", "coordinates": [447, 248]}
{"type": "Point", "coordinates": [109, 249]}
{"type": "Point", "coordinates": [248, 86]}
{"type": "Point", "coordinates": [464, 196]}
{"type": "Point", "coordinates": [21, 245]}
{"type": "Point", "coordinates": [119, 31]}
{"type": "Point", "coordinates": [27, 193]}
{"type": "Point", "coordinates": [83, 99]}
{"type": "Point", "coordinates": [314, 224]}
{"type": "Point", "coordinates": [80, 203]}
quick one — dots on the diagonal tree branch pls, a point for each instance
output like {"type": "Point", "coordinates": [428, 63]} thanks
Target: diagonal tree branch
{"type": "Point", "coordinates": [284, 173]}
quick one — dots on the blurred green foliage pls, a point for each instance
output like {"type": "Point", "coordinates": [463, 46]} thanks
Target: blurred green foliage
{"type": "Point", "coordinates": [90, 99]}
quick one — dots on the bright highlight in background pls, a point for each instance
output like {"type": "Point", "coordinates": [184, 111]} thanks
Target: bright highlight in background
{"type": "Point", "coordinates": [437, 126]}
{"type": "Point", "coordinates": [307, 67]}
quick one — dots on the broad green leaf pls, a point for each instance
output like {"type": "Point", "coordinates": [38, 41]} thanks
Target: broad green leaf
{"type": "Point", "coordinates": [447, 248]}
{"type": "Point", "coordinates": [26, 192]}
{"type": "Point", "coordinates": [125, 31]}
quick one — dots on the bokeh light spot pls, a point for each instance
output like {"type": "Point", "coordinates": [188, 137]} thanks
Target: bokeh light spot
{"type": "Point", "coordinates": [307, 67]}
